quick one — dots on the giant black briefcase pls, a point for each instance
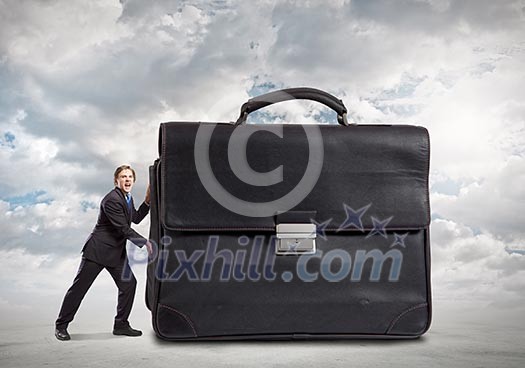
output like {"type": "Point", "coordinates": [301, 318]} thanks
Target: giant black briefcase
{"type": "Point", "coordinates": [290, 231]}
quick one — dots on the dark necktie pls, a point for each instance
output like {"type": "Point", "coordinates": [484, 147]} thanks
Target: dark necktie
{"type": "Point", "coordinates": [128, 201]}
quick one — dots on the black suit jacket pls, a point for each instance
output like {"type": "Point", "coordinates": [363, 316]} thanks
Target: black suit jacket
{"type": "Point", "coordinates": [106, 244]}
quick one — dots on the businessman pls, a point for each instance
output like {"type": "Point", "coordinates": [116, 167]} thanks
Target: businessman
{"type": "Point", "coordinates": [106, 248]}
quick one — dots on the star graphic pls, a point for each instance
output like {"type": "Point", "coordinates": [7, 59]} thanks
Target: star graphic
{"type": "Point", "coordinates": [379, 227]}
{"type": "Point", "coordinates": [292, 245]}
{"type": "Point", "coordinates": [399, 240]}
{"type": "Point", "coordinates": [321, 228]}
{"type": "Point", "coordinates": [353, 217]}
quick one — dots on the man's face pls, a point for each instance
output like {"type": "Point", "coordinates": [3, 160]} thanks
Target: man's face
{"type": "Point", "coordinates": [125, 180]}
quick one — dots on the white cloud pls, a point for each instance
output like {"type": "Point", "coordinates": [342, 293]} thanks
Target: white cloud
{"type": "Point", "coordinates": [85, 85]}
{"type": "Point", "coordinates": [33, 287]}
{"type": "Point", "coordinates": [493, 204]}
{"type": "Point", "coordinates": [469, 267]}
{"type": "Point", "coordinates": [46, 34]}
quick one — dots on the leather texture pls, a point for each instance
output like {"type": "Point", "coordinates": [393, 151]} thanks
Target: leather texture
{"type": "Point", "coordinates": [386, 166]}
{"type": "Point", "coordinates": [378, 167]}
{"type": "Point", "coordinates": [301, 93]}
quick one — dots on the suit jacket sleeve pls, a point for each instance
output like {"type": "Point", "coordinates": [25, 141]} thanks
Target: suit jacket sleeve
{"type": "Point", "coordinates": [139, 215]}
{"type": "Point", "coordinates": [116, 216]}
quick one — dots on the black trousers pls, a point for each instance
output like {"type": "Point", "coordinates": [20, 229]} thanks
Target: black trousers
{"type": "Point", "coordinates": [87, 273]}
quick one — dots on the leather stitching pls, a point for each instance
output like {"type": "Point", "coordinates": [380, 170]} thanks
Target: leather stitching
{"type": "Point", "coordinates": [185, 317]}
{"type": "Point", "coordinates": [163, 173]}
{"type": "Point", "coordinates": [163, 127]}
{"type": "Point", "coordinates": [182, 228]}
{"type": "Point", "coordinates": [400, 315]}
{"type": "Point", "coordinates": [427, 178]}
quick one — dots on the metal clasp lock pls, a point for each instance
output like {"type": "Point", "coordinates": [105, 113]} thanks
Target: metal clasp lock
{"type": "Point", "coordinates": [293, 239]}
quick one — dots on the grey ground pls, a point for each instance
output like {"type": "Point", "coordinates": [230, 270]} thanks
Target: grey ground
{"type": "Point", "coordinates": [456, 339]}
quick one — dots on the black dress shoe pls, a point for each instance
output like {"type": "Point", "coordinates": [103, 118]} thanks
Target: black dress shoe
{"type": "Point", "coordinates": [62, 334]}
{"type": "Point", "coordinates": [126, 331]}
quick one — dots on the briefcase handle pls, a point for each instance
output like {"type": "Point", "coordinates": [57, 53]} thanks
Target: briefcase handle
{"type": "Point", "coordinates": [301, 93]}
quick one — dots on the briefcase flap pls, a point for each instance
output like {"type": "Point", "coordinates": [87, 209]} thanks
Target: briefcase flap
{"type": "Point", "coordinates": [336, 173]}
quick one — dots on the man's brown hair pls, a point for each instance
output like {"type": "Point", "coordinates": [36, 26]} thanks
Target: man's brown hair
{"type": "Point", "coordinates": [120, 169]}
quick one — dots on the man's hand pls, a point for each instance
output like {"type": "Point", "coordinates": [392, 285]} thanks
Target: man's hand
{"type": "Point", "coordinates": [149, 247]}
{"type": "Point", "coordinates": [147, 196]}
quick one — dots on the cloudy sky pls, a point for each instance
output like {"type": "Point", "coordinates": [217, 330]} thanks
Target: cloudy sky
{"type": "Point", "coordinates": [85, 84]}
